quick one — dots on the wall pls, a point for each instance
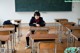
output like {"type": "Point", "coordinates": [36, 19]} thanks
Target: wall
{"type": "Point", "coordinates": [7, 11]}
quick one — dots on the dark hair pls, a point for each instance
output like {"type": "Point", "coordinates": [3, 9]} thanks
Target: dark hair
{"type": "Point", "coordinates": [36, 13]}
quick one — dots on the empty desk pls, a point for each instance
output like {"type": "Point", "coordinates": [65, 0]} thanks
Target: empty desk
{"type": "Point", "coordinates": [42, 37]}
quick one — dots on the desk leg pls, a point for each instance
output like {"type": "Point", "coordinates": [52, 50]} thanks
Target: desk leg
{"type": "Point", "coordinates": [60, 33]}
{"type": "Point", "coordinates": [7, 47]}
{"type": "Point", "coordinates": [14, 39]}
{"type": "Point", "coordinates": [11, 43]}
{"type": "Point", "coordinates": [56, 27]}
{"type": "Point", "coordinates": [78, 22]}
{"type": "Point", "coordinates": [73, 41]}
{"type": "Point", "coordinates": [33, 46]}
{"type": "Point", "coordinates": [68, 38]}
{"type": "Point", "coordinates": [19, 33]}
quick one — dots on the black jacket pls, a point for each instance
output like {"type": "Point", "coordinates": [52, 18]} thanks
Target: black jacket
{"type": "Point", "coordinates": [41, 22]}
{"type": "Point", "coordinates": [7, 22]}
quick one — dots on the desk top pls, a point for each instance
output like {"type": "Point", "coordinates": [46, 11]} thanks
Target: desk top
{"type": "Point", "coordinates": [6, 29]}
{"type": "Point", "coordinates": [58, 20]}
{"type": "Point", "coordinates": [68, 24]}
{"type": "Point", "coordinates": [18, 21]}
{"type": "Point", "coordinates": [71, 23]}
{"type": "Point", "coordinates": [73, 28]}
{"type": "Point", "coordinates": [39, 28]}
{"type": "Point", "coordinates": [43, 36]}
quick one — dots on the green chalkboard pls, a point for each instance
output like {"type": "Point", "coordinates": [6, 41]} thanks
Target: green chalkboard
{"type": "Point", "coordinates": [42, 5]}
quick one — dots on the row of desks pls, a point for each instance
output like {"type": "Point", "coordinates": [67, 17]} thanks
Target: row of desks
{"type": "Point", "coordinates": [12, 36]}
{"type": "Point", "coordinates": [70, 29]}
{"type": "Point", "coordinates": [47, 37]}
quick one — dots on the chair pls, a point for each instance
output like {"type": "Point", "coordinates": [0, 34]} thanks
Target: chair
{"type": "Point", "coordinates": [4, 37]}
{"type": "Point", "coordinates": [46, 47]}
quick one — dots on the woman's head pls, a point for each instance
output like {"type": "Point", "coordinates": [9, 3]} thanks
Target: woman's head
{"type": "Point", "coordinates": [37, 15]}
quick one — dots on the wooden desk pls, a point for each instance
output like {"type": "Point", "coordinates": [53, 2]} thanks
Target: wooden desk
{"type": "Point", "coordinates": [40, 30]}
{"type": "Point", "coordinates": [18, 21]}
{"type": "Point", "coordinates": [42, 37]}
{"type": "Point", "coordinates": [19, 31]}
{"type": "Point", "coordinates": [68, 24]}
{"type": "Point", "coordinates": [73, 28]}
{"type": "Point", "coordinates": [76, 32]}
{"type": "Point", "coordinates": [76, 36]}
{"type": "Point", "coordinates": [73, 34]}
{"type": "Point", "coordinates": [12, 42]}
{"type": "Point", "coordinates": [62, 28]}
{"type": "Point", "coordinates": [61, 20]}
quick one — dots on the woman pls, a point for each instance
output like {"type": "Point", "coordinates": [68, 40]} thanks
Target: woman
{"type": "Point", "coordinates": [36, 21]}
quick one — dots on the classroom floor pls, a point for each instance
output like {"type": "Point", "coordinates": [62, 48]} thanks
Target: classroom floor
{"type": "Point", "coordinates": [20, 47]}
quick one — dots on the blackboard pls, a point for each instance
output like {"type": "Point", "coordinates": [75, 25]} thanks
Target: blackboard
{"type": "Point", "coordinates": [42, 5]}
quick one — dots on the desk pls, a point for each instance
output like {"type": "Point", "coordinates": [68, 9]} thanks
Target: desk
{"type": "Point", "coordinates": [9, 29]}
{"type": "Point", "coordinates": [74, 37]}
{"type": "Point", "coordinates": [61, 20]}
{"type": "Point", "coordinates": [40, 30]}
{"type": "Point", "coordinates": [68, 23]}
{"type": "Point", "coordinates": [62, 26]}
{"type": "Point", "coordinates": [76, 32]}
{"type": "Point", "coordinates": [42, 37]}
{"type": "Point", "coordinates": [72, 34]}
{"type": "Point", "coordinates": [19, 35]}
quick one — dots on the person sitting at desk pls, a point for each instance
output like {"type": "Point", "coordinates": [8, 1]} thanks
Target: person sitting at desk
{"type": "Point", "coordinates": [35, 21]}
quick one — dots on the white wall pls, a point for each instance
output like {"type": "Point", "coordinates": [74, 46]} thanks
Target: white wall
{"type": "Point", "coordinates": [7, 11]}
